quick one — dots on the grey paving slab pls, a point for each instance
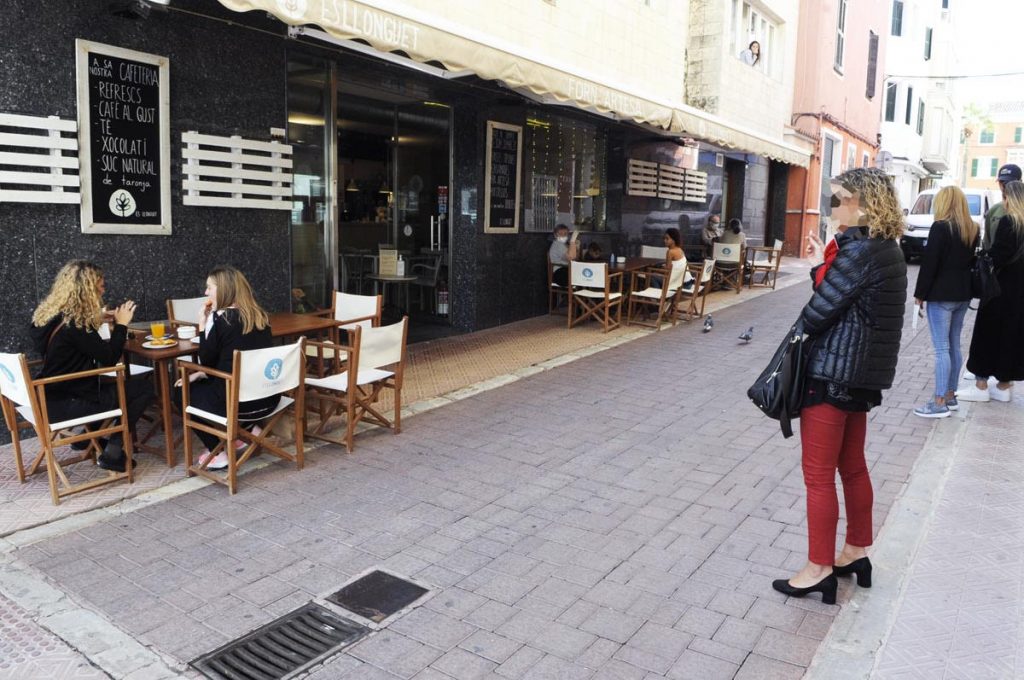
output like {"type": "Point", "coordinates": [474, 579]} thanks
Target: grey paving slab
{"type": "Point", "coordinates": [586, 521]}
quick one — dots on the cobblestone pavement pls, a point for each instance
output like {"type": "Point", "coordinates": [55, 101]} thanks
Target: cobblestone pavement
{"type": "Point", "coordinates": [618, 517]}
{"type": "Point", "coordinates": [27, 651]}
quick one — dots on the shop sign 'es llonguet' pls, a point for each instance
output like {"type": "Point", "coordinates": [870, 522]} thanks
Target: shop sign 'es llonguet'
{"type": "Point", "coordinates": [124, 140]}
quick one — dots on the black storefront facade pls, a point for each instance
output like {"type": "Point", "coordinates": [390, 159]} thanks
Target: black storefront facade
{"type": "Point", "coordinates": [384, 152]}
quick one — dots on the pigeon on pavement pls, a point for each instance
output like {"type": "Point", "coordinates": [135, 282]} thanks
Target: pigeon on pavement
{"type": "Point", "coordinates": [746, 335]}
{"type": "Point", "coordinates": [708, 323]}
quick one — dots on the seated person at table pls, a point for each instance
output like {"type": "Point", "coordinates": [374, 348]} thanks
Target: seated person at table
{"type": "Point", "coordinates": [561, 252]}
{"type": "Point", "coordinates": [711, 231]}
{"type": "Point", "coordinates": [231, 319]}
{"type": "Point", "coordinates": [593, 253]}
{"type": "Point", "coordinates": [65, 331]}
{"type": "Point", "coordinates": [734, 234]}
{"type": "Point", "coordinates": [674, 255]}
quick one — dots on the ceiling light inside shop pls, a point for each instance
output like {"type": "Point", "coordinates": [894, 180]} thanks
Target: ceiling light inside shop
{"type": "Point", "coordinates": [439, 104]}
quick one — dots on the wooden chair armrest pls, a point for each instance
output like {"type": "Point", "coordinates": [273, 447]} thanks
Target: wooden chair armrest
{"type": "Point", "coordinates": [118, 368]}
{"type": "Point", "coordinates": [192, 367]}
{"type": "Point", "coordinates": [329, 345]}
{"type": "Point", "coordinates": [355, 319]}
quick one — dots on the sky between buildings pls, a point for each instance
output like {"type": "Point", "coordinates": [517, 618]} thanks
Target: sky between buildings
{"type": "Point", "coordinates": [990, 39]}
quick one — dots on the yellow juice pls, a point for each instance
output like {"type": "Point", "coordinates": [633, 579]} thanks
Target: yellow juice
{"type": "Point", "coordinates": [157, 329]}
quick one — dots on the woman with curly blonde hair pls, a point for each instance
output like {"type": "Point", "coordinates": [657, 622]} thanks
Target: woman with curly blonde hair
{"type": "Point", "coordinates": [65, 329]}
{"type": "Point", "coordinates": [854, 321]}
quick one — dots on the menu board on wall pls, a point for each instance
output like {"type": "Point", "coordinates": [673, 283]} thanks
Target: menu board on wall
{"type": "Point", "coordinates": [501, 185]}
{"type": "Point", "coordinates": [124, 140]}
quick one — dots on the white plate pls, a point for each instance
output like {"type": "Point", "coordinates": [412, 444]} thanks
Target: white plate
{"type": "Point", "coordinates": [166, 335]}
{"type": "Point", "coordinates": [151, 345]}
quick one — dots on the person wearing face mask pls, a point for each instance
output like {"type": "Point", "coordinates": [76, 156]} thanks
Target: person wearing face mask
{"type": "Point", "coordinates": [854, 321]}
{"type": "Point", "coordinates": [560, 254]}
{"type": "Point", "coordinates": [230, 319]}
{"type": "Point", "coordinates": [711, 232]}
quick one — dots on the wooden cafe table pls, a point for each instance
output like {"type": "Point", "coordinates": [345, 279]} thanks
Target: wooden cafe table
{"type": "Point", "coordinates": [282, 325]}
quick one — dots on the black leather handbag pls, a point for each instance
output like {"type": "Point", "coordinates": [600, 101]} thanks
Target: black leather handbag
{"type": "Point", "coordinates": [984, 284]}
{"type": "Point", "coordinates": [779, 390]}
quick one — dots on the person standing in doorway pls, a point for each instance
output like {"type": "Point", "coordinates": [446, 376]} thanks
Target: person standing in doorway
{"type": "Point", "coordinates": [560, 254]}
{"type": "Point", "coordinates": [944, 290]}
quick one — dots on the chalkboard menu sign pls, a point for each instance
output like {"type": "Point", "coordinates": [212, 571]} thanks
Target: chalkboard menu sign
{"type": "Point", "coordinates": [123, 140]}
{"type": "Point", "coordinates": [501, 185]}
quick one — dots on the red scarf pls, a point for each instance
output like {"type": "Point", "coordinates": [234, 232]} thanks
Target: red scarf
{"type": "Point", "coordinates": [831, 250]}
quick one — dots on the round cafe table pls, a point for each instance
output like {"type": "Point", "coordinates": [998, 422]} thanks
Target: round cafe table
{"type": "Point", "coordinates": [401, 283]}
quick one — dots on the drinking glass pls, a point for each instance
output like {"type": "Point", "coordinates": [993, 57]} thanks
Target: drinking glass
{"type": "Point", "coordinates": [157, 329]}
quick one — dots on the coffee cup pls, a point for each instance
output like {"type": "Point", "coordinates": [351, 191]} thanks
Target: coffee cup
{"type": "Point", "coordinates": [186, 332]}
{"type": "Point", "coordinates": [621, 260]}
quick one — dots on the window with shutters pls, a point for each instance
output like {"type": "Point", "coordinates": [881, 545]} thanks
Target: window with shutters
{"type": "Point", "coordinates": [897, 18]}
{"type": "Point", "coordinates": [993, 167]}
{"type": "Point", "coordinates": [920, 116]}
{"type": "Point", "coordinates": [840, 37]}
{"type": "Point", "coordinates": [909, 113]}
{"type": "Point", "coordinates": [1017, 135]}
{"type": "Point", "coordinates": [974, 167]}
{"type": "Point", "coordinates": [872, 64]}
{"type": "Point", "coordinates": [927, 44]}
{"type": "Point", "coordinates": [988, 136]}
{"type": "Point", "coordinates": [890, 102]}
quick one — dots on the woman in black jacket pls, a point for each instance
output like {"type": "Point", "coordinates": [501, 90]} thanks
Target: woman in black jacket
{"type": "Point", "coordinates": [855, 320]}
{"type": "Point", "coordinates": [65, 331]}
{"type": "Point", "coordinates": [231, 319]}
{"type": "Point", "coordinates": [996, 344]}
{"type": "Point", "coordinates": [944, 290]}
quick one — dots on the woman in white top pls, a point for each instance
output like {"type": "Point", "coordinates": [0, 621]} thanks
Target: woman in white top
{"type": "Point", "coordinates": [752, 55]}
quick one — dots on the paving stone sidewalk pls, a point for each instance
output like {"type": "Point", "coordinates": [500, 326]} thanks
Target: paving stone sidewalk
{"type": "Point", "coordinates": [618, 517]}
{"type": "Point", "coordinates": [27, 651]}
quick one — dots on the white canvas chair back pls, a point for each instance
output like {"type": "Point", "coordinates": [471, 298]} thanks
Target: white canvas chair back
{"type": "Point", "coordinates": [777, 246]}
{"type": "Point", "coordinates": [349, 306]}
{"type": "Point", "coordinates": [186, 309]}
{"type": "Point", "coordinates": [381, 346]}
{"type": "Point", "coordinates": [762, 257]}
{"type": "Point", "coordinates": [13, 381]}
{"type": "Point", "coordinates": [709, 270]}
{"type": "Point", "coordinates": [588, 274]}
{"type": "Point", "coordinates": [270, 371]}
{"type": "Point", "coordinates": [727, 253]}
{"type": "Point", "coordinates": [659, 252]}
{"type": "Point", "coordinates": [677, 274]}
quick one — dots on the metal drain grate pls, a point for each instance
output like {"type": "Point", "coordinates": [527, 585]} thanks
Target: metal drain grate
{"type": "Point", "coordinates": [377, 595]}
{"type": "Point", "coordinates": [281, 647]}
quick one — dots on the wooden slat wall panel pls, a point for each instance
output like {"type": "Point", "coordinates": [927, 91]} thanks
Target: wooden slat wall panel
{"type": "Point", "coordinates": [258, 172]}
{"type": "Point", "coordinates": [671, 182]}
{"type": "Point", "coordinates": [49, 152]}
{"type": "Point", "coordinates": [696, 189]}
{"type": "Point", "coordinates": [641, 178]}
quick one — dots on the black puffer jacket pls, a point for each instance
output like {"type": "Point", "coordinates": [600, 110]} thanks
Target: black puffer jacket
{"type": "Point", "coordinates": [856, 313]}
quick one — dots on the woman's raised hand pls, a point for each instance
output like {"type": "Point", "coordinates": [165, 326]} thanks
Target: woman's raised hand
{"type": "Point", "coordinates": [123, 314]}
{"type": "Point", "coordinates": [815, 248]}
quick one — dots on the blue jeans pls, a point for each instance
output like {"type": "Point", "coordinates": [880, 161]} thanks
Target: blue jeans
{"type": "Point", "coordinates": [946, 320]}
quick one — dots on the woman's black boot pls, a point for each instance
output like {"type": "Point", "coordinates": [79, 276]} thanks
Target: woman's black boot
{"type": "Point", "coordinates": [861, 567]}
{"type": "Point", "coordinates": [826, 586]}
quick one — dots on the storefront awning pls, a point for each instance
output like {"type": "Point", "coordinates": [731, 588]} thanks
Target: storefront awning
{"type": "Point", "coordinates": [422, 42]}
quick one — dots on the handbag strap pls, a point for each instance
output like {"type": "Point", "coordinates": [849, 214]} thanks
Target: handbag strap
{"type": "Point", "coordinates": [49, 340]}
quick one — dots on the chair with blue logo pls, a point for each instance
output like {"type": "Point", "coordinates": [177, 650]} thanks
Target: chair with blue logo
{"type": "Point", "coordinates": [595, 293]}
{"type": "Point", "coordinates": [23, 401]}
{"type": "Point", "coordinates": [729, 266]}
{"type": "Point", "coordinates": [255, 374]}
{"type": "Point", "coordinates": [377, 355]}
{"type": "Point", "coordinates": [662, 299]}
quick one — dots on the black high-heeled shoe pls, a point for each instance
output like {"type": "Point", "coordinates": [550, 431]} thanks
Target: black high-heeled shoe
{"type": "Point", "coordinates": [861, 567]}
{"type": "Point", "coordinates": [826, 586]}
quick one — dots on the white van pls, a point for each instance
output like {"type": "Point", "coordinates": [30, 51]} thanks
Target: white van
{"type": "Point", "coordinates": [920, 219]}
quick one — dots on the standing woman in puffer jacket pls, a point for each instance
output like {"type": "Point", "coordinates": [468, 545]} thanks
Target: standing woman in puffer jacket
{"type": "Point", "coordinates": [855, 320]}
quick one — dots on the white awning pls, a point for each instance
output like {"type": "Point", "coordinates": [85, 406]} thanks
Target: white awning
{"type": "Point", "coordinates": [423, 40]}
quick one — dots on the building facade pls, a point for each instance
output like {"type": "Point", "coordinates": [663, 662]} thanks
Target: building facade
{"type": "Point", "coordinates": [836, 105]}
{"type": "Point", "coordinates": [394, 114]}
{"type": "Point", "coordinates": [920, 113]}
{"type": "Point", "coordinates": [994, 144]}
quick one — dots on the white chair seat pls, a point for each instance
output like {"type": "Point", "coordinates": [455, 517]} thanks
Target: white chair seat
{"type": "Point", "coordinates": [133, 369]}
{"type": "Point", "coordinates": [26, 413]}
{"type": "Point", "coordinates": [284, 403]}
{"type": "Point", "coordinates": [653, 293]}
{"type": "Point", "coordinates": [596, 294]}
{"type": "Point", "coordinates": [339, 381]}
{"type": "Point", "coordinates": [327, 352]}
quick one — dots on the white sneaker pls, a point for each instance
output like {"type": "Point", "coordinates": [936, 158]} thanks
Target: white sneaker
{"type": "Point", "coordinates": [972, 393]}
{"type": "Point", "coordinates": [968, 377]}
{"type": "Point", "coordinates": [1000, 395]}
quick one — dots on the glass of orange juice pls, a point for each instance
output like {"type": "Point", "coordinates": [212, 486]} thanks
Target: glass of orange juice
{"type": "Point", "coordinates": [157, 330]}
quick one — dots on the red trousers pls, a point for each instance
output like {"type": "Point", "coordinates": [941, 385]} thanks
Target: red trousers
{"type": "Point", "coordinates": [833, 439]}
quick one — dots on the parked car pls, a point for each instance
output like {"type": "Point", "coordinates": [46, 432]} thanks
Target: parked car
{"type": "Point", "coordinates": [921, 217]}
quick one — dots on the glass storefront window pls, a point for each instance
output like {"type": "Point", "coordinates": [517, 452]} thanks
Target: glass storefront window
{"type": "Point", "coordinates": [566, 174]}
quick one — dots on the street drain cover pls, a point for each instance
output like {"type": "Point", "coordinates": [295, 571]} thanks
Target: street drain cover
{"type": "Point", "coordinates": [281, 647]}
{"type": "Point", "coordinates": [377, 595]}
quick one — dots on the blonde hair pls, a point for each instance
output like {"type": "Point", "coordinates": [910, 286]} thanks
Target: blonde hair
{"type": "Point", "coordinates": [75, 295]}
{"type": "Point", "coordinates": [1014, 205]}
{"type": "Point", "coordinates": [233, 290]}
{"type": "Point", "coordinates": [951, 206]}
{"type": "Point", "coordinates": [877, 198]}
